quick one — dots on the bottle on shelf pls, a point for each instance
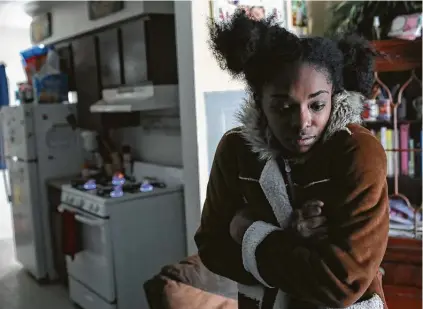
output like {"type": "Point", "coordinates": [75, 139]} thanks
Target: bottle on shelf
{"type": "Point", "coordinates": [376, 29]}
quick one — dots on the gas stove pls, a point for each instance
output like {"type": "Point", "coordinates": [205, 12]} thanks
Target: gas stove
{"type": "Point", "coordinates": [115, 187]}
{"type": "Point", "coordinates": [95, 195]}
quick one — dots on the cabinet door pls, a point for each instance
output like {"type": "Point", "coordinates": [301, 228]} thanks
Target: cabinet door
{"type": "Point", "coordinates": [134, 52]}
{"type": "Point", "coordinates": [161, 49]}
{"type": "Point", "coordinates": [66, 63]}
{"type": "Point", "coordinates": [109, 59]}
{"type": "Point", "coordinates": [86, 80]}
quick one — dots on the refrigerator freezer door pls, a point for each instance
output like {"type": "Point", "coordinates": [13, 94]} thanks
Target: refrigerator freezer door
{"type": "Point", "coordinates": [29, 240]}
{"type": "Point", "coordinates": [18, 132]}
{"type": "Point", "coordinates": [59, 150]}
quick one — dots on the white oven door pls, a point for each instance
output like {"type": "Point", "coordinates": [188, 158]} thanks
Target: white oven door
{"type": "Point", "coordinates": [93, 266]}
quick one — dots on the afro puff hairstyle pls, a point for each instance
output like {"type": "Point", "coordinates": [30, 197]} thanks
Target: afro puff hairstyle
{"type": "Point", "coordinates": [258, 51]}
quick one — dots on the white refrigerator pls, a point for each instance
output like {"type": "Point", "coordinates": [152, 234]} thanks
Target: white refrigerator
{"type": "Point", "coordinates": [39, 144]}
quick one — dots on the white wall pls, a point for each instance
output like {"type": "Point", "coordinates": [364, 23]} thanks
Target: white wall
{"type": "Point", "coordinates": [13, 41]}
{"type": "Point", "coordinates": [70, 18]}
{"type": "Point", "coordinates": [157, 140]}
{"type": "Point", "coordinates": [198, 73]}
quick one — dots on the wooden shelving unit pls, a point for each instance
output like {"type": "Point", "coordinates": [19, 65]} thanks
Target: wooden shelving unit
{"type": "Point", "coordinates": [402, 264]}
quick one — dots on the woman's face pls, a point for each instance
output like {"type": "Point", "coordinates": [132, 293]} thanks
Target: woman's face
{"type": "Point", "coordinates": [297, 112]}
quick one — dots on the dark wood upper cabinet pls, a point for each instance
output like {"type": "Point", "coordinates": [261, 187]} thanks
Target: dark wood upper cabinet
{"type": "Point", "coordinates": [161, 49]}
{"type": "Point", "coordinates": [128, 53]}
{"type": "Point", "coordinates": [109, 58]}
{"type": "Point", "coordinates": [86, 80]}
{"type": "Point", "coordinates": [149, 50]}
{"type": "Point", "coordinates": [134, 52]}
{"type": "Point", "coordinates": [66, 63]}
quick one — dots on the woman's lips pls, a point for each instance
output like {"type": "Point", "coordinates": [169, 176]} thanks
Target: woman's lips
{"type": "Point", "coordinates": [305, 141]}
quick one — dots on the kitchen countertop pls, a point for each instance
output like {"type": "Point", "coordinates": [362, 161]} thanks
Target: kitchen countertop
{"type": "Point", "coordinates": [58, 182]}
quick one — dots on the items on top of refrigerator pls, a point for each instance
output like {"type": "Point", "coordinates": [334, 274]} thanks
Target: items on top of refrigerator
{"type": "Point", "coordinates": [42, 67]}
{"type": "Point", "coordinates": [25, 93]}
{"type": "Point", "coordinates": [33, 59]}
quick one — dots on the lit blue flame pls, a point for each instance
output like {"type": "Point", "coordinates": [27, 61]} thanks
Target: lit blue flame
{"type": "Point", "coordinates": [146, 187]}
{"type": "Point", "coordinates": [118, 180]}
{"type": "Point", "coordinates": [117, 192]}
{"type": "Point", "coordinates": [90, 185]}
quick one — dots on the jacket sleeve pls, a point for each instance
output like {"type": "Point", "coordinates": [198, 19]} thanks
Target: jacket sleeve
{"type": "Point", "coordinates": [216, 248]}
{"type": "Point", "coordinates": [337, 271]}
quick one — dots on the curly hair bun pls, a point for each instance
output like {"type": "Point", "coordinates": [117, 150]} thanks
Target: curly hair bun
{"type": "Point", "coordinates": [259, 50]}
{"type": "Point", "coordinates": [358, 72]}
{"type": "Point", "coordinates": [241, 43]}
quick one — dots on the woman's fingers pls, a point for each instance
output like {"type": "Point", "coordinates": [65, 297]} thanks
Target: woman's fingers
{"type": "Point", "coordinates": [312, 208]}
{"type": "Point", "coordinates": [311, 226]}
{"type": "Point", "coordinates": [317, 203]}
{"type": "Point", "coordinates": [312, 223]}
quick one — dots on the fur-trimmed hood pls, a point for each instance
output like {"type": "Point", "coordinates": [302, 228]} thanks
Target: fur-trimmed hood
{"type": "Point", "coordinates": [346, 109]}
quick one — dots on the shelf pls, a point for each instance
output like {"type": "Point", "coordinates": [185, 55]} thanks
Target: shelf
{"type": "Point", "coordinates": [391, 123]}
{"type": "Point", "coordinates": [398, 55]}
{"type": "Point", "coordinates": [404, 150]}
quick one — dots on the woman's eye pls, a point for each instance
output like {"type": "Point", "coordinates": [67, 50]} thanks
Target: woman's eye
{"type": "Point", "coordinates": [286, 106]}
{"type": "Point", "coordinates": [317, 106]}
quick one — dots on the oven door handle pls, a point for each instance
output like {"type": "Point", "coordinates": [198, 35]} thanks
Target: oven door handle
{"type": "Point", "coordinates": [90, 222]}
{"type": "Point", "coordinates": [82, 219]}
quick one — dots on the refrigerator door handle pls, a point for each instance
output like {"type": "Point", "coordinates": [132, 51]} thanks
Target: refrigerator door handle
{"type": "Point", "coordinates": [7, 189]}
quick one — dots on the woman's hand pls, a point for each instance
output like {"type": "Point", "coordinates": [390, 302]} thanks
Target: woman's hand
{"type": "Point", "coordinates": [240, 223]}
{"type": "Point", "coordinates": [308, 220]}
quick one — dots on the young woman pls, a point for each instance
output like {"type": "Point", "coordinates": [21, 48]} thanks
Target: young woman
{"type": "Point", "coordinates": [297, 206]}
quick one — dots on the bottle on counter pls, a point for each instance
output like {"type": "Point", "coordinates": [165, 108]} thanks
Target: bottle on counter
{"type": "Point", "coordinates": [127, 160]}
{"type": "Point", "coordinates": [85, 172]}
{"type": "Point", "coordinates": [98, 160]}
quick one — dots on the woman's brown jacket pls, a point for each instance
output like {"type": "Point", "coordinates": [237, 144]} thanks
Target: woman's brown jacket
{"type": "Point", "coordinates": [274, 268]}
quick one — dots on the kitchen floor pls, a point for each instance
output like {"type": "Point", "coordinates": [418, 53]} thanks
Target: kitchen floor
{"type": "Point", "coordinates": [17, 289]}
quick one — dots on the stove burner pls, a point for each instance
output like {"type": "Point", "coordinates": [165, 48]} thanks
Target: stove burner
{"type": "Point", "coordinates": [146, 187]}
{"type": "Point", "coordinates": [116, 192]}
{"type": "Point", "coordinates": [90, 184]}
{"type": "Point", "coordinates": [118, 180]}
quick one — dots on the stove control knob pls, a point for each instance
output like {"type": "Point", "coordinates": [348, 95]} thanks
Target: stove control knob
{"type": "Point", "coordinates": [81, 203]}
{"type": "Point", "coordinates": [97, 208]}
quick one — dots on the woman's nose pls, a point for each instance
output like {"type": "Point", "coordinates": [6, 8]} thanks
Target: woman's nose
{"type": "Point", "coordinates": [301, 119]}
